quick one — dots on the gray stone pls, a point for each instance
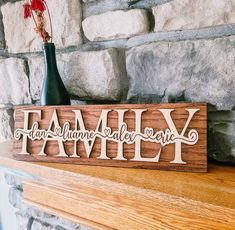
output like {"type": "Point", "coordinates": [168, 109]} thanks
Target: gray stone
{"type": "Point", "coordinates": [13, 180]}
{"type": "Point", "coordinates": [2, 37]}
{"type": "Point", "coordinates": [116, 25]}
{"type": "Point", "coordinates": [95, 75]}
{"type": "Point", "coordinates": [203, 33]}
{"type": "Point", "coordinates": [201, 71]}
{"type": "Point", "coordinates": [221, 136]}
{"type": "Point", "coordinates": [39, 214]}
{"type": "Point", "coordinates": [51, 220]}
{"type": "Point", "coordinates": [192, 34]}
{"type": "Point", "coordinates": [15, 197]}
{"type": "Point", "coordinates": [6, 124]}
{"type": "Point", "coordinates": [89, 0]}
{"type": "Point", "coordinates": [21, 37]}
{"type": "Point", "coordinates": [189, 14]}
{"type": "Point", "coordinates": [35, 219]}
{"type": "Point", "coordinates": [36, 74]}
{"type": "Point", "coordinates": [14, 83]}
{"type": "Point", "coordinates": [78, 102]}
{"type": "Point", "coordinates": [93, 7]}
{"type": "Point", "coordinates": [6, 1]}
{"type": "Point", "coordinates": [38, 225]}
{"type": "Point", "coordinates": [59, 228]}
{"type": "Point", "coordinates": [24, 221]}
{"type": "Point", "coordinates": [146, 3]}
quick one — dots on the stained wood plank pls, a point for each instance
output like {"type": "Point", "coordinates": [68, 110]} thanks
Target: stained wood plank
{"type": "Point", "coordinates": [157, 211]}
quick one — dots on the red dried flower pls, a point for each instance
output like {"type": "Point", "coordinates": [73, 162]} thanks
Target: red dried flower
{"type": "Point", "coordinates": [38, 5]}
{"type": "Point", "coordinates": [27, 10]}
{"type": "Point", "coordinates": [35, 9]}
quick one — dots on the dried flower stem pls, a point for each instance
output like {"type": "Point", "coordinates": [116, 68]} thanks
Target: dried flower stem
{"type": "Point", "coordinates": [40, 28]}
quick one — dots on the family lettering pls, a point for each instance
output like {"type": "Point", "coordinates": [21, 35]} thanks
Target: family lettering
{"type": "Point", "coordinates": [64, 133]}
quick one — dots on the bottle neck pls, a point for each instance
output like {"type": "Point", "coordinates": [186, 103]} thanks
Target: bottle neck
{"type": "Point", "coordinates": [50, 56]}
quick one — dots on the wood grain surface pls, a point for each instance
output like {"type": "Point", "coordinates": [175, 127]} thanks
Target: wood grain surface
{"type": "Point", "coordinates": [194, 155]}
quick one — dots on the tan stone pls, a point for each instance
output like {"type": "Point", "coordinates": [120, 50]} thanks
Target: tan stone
{"type": "Point", "coordinates": [6, 124]}
{"type": "Point", "coordinates": [116, 25]}
{"type": "Point", "coordinates": [21, 37]}
{"type": "Point", "coordinates": [14, 83]}
{"type": "Point", "coordinates": [190, 14]}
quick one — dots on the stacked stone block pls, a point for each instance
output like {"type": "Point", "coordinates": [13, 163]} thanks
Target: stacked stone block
{"type": "Point", "coordinates": [127, 51]}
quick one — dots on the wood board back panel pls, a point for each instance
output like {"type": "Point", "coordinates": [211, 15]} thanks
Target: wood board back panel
{"type": "Point", "coordinates": [155, 136]}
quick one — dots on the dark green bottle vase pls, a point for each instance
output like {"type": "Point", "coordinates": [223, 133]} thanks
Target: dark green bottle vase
{"type": "Point", "coordinates": [53, 90]}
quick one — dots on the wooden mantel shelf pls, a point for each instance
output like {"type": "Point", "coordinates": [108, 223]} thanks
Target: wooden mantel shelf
{"type": "Point", "coordinates": [117, 198]}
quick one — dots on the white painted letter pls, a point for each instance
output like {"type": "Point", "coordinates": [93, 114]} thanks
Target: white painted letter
{"type": "Point", "coordinates": [121, 113]}
{"type": "Point", "coordinates": [138, 157]}
{"type": "Point", "coordinates": [26, 123]}
{"type": "Point", "coordinates": [88, 146]}
{"type": "Point", "coordinates": [178, 142]}
{"type": "Point", "coordinates": [55, 121]}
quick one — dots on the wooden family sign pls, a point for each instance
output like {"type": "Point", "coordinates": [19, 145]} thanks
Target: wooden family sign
{"type": "Point", "coordinates": [161, 136]}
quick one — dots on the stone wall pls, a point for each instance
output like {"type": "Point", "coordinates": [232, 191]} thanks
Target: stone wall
{"type": "Point", "coordinates": [128, 51]}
